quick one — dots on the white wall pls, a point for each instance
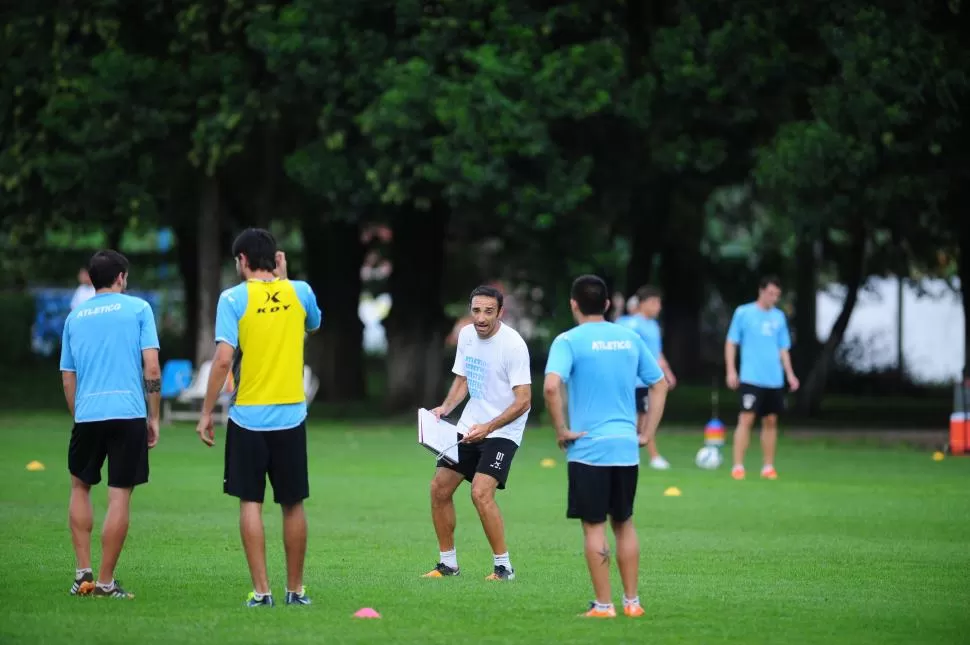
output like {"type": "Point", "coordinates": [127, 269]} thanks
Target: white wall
{"type": "Point", "coordinates": [932, 327]}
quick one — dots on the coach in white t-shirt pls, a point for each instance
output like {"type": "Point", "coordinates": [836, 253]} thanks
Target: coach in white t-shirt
{"type": "Point", "coordinates": [492, 367]}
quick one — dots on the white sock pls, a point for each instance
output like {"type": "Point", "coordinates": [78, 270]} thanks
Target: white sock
{"type": "Point", "coordinates": [604, 606]}
{"type": "Point", "coordinates": [80, 572]}
{"type": "Point", "coordinates": [738, 467]}
{"type": "Point", "coordinates": [299, 593]}
{"type": "Point", "coordinates": [631, 601]}
{"type": "Point", "coordinates": [260, 596]}
{"type": "Point", "coordinates": [503, 561]}
{"type": "Point", "coordinates": [767, 467]}
{"type": "Point", "coordinates": [448, 558]}
{"type": "Point", "coordinates": [106, 586]}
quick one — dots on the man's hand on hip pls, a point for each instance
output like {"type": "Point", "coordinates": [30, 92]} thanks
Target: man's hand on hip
{"type": "Point", "coordinates": [565, 436]}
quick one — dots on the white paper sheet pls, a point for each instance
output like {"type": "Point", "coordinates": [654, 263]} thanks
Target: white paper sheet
{"type": "Point", "coordinates": [440, 437]}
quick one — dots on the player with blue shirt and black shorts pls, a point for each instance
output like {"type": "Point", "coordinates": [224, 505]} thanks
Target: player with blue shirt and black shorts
{"type": "Point", "coordinates": [760, 329]}
{"type": "Point", "coordinates": [599, 362]}
{"type": "Point", "coordinates": [644, 322]}
{"type": "Point", "coordinates": [261, 326]}
{"type": "Point", "coordinates": [109, 364]}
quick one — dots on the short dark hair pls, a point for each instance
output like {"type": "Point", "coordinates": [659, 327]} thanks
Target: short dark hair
{"type": "Point", "coordinates": [488, 292]}
{"type": "Point", "coordinates": [105, 266]}
{"type": "Point", "coordinates": [590, 294]}
{"type": "Point", "coordinates": [768, 280]}
{"type": "Point", "coordinates": [259, 247]}
{"type": "Point", "coordinates": [646, 292]}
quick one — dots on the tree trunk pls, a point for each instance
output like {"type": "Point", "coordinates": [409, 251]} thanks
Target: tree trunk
{"type": "Point", "coordinates": [963, 270]}
{"type": "Point", "coordinates": [333, 259]}
{"type": "Point", "coordinates": [805, 343]}
{"type": "Point", "coordinates": [210, 268]}
{"type": "Point", "coordinates": [416, 326]}
{"type": "Point", "coordinates": [683, 287]}
{"type": "Point", "coordinates": [813, 386]}
{"type": "Point", "coordinates": [649, 213]}
{"type": "Point", "coordinates": [187, 249]}
{"type": "Point", "coordinates": [115, 232]}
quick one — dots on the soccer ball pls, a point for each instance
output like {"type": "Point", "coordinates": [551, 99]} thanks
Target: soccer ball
{"type": "Point", "coordinates": [708, 458]}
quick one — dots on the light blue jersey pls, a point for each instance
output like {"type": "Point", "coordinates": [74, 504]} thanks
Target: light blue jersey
{"type": "Point", "coordinates": [761, 335]}
{"type": "Point", "coordinates": [649, 330]}
{"type": "Point", "coordinates": [600, 362]}
{"type": "Point", "coordinates": [233, 305]}
{"type": "Point", "coordinates": [102, 343]}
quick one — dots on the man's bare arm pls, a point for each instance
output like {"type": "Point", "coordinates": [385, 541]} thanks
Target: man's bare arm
{"type": "Point", "coordinates": [786, 363]}
{"type": "Point", "coordinates": [730, 355]}
{"type": "Point", "coordinates": [657, 399]}
{"type": "Point", "coordinates": [552, 394]}
{"type": "Point", "coordinates": [221, 362]}
{"type": "Point", "coordinates": [69, 381]}
{"type": "Point", "coordinates": [456, 394]}
{"type": "Point", "coordinates": [152, 374]}
{"type": "Point", "coordinates": [789, 370]}
{"type": "Point", "coordinates": [521, 404]}
{"type": "Point", "coordinates": [665, 368]}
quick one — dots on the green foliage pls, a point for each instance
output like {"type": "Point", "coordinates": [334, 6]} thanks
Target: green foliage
{"type": "Point", "coordinates": [474, 124]}
{"type": "Point", "coordinates": [324, 58]}
{"type": "Point", "coordinates": [867, 153]}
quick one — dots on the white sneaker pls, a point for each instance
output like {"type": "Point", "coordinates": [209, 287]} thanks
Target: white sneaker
{"type": "Point", "coordinates": [659, 463]}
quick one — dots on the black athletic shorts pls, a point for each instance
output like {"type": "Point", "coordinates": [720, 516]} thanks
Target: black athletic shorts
{"type": "Point", "coordinates": [124, 442]}
{"type": "Point", "coordinates": [251, 455]}
{"type": "Point", "coordinates": [763, 401]}
{"type": "Point", "coordinates": [489, 456]}
{"type": "Point", "coordinates": [598, 491]}
{"type": "Point", "coordinates": [643, 398]}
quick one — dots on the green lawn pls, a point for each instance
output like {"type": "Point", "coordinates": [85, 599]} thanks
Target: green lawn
{"type": "Point", "coordinates": [850, 545]}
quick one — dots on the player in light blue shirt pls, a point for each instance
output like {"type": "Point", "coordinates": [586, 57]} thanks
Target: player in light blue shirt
{"type": "Point", "coordinates": [599, 363]}
{"type": "Point", "coordinates": [760, 330]}
{"type": "Point", "coordinates": [644, 322]}
{"type": "Point", "coordinates": [109, 362]}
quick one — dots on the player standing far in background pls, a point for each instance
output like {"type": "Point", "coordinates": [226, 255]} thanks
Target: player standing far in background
{"type": "Point", "coordinates": [261, 327]}
{"type": "Point", "coordinates": [85, 290]}
{"type": "Point", "coordinates": [492, 366]}
{"type": "Point", "coordinates": [644, 322]}
{"type": "Point", "coordinates": [109, 363]}
{"type": "Point", "coordinates": [600, 362]}
{"type": "Point", "coordinates": [761, 331]}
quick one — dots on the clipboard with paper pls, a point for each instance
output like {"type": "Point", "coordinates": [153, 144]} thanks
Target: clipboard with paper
{"type": "Point", "coordinates": [438, 436]}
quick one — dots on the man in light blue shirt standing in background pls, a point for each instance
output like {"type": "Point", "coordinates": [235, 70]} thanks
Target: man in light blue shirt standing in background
{"type": "Point", "coordinates": [760, 329]}
{"type": "Point", "coordinates": [600, 363]}
{"type": "Point", "coordinates": [644, 322]}
{"type": "Point", "coordinates": [109, 363]}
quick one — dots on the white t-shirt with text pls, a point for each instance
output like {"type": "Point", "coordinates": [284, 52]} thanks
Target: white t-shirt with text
{"type": "Point", "coordinates": [492, 367]}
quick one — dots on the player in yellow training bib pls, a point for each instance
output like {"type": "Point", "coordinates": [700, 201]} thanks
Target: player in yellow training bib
{"type": "Point", "coordinates": [261, 326]}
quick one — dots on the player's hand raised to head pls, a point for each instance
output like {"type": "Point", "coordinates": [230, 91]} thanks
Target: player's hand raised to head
{"type": "Point", "coordinates": [205, 431]}
{"type": "Point", "coordinates": [280, 271]}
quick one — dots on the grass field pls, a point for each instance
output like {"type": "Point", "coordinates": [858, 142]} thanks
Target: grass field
{"type": "Point", "coordinates": [849, 545]}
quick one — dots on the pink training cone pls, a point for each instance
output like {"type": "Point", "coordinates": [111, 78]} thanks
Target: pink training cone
{"type": "Point", "coordinates": [367, 612]}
